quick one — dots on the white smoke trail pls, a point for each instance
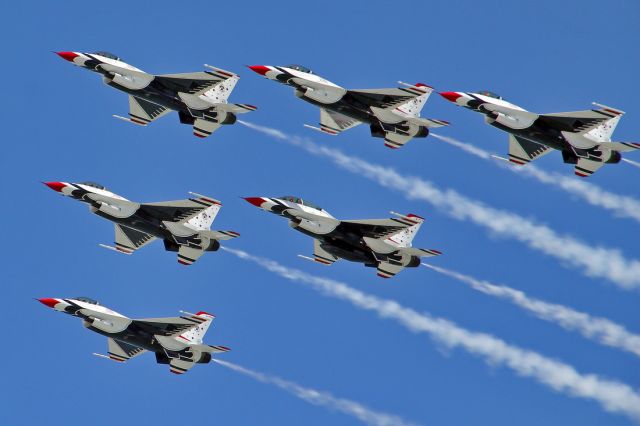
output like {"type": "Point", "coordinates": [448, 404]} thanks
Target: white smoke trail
{"type": "Point", "coordinates": [599, 329]}
{"type": "Point", "coordinates": [594, 261]}
{"type": "Point", "coordinates": [633, 163]}
{"type": "Point", "coordinates": [620, 205]}
{"type": "Point", "coordinates": [323, 399]}
{"type": "Point", "coordinates": [612, 395]}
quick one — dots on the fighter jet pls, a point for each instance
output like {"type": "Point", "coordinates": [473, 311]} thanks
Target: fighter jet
{"type": "Point", "coordinates": [176, 341]}
{"type": "Point", "coordinates": [381, 243]}
{"type": "Point", "coordinates": [583, 137]}
{"type": "Point", "coordinates": [183, 225]}
{"type": "Point", "coordinates": [392, 114]}
{"type": "Point", "coordinates": [200, 98]}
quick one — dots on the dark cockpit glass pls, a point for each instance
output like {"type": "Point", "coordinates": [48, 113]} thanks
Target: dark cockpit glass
{"type": "Point", "coordinates": [300, 68]}
{"type": "Point", "coordinates": [87, 300]}
{"type": "Point", "coordinates": [301, 201]}
{"type": "Point", "coordinates": [489, 94]}
{"type": "Point", "coordinates": [108, 55]}
{"type": "Point", "coordinates": [93, 185]}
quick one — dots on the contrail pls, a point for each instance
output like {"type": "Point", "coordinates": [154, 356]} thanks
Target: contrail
{"type": "Point", "coordinates": [633, 163]}
{"type": "Point", "coordinates": [601, 330]}
{"type": "Point", "coordinates": [620, 205]}
{"type": "Point", "coordinates": [323, 399]}
{"type": "Point", "coordinates": [594, 261]}
{"type": "Point", "coordinates": [612, 395]}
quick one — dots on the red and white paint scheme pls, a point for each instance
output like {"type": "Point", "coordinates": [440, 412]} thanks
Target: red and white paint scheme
{"type": "Point", "coordinates": [583, 137]}
{"type": "Point", "coordinates": [381, 243]}
{"type": "Point", "coordinates": [183, 225]}
{"type": "Point", "coordinates": [200, 98]}
{"type": "Point", "coordinates": [392, 114]}
{"type": "Point", "coordinates": [176, 341]}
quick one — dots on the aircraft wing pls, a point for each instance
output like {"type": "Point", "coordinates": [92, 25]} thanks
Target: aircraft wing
{"type": "Point", "coordinates": [121, 351]}
{"type": "Point", "coordinates": [522, 151]}
{"type": "Point", "coordinates": [195, 83]}
{"type": "Point", "coordinates": [128, 239]}
{"type": "Point", "coordinates": [144, 112]}
{"type": "Point", "coordinates": [333, 123]}
{"type": "Point", "coordinates": [385, 98]}
{"type": "Point", "coordinates": [170, 326]}
{"type": "Point", "coordinates": [577, 121]}
{"type": "Point", "coordinates": [179, 210]}
{"type": "Point", "coordinates": [375, 228]}
{"type": "Point", "coordinates": [320, 255]}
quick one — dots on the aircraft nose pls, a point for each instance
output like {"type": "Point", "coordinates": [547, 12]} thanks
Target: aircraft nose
{"type": "Point", "coordinates": [68, 56]}
{"type": "Point", "coordinates": [260, 69]}
{"type": "Point", "coordinates": [256, 201]}
{"type": "Point", "coordinates": [47, 301]}
{"type": "Point", "coordinates": [451, 96]}
{"type": "Point", "coordinates": [56, 186]}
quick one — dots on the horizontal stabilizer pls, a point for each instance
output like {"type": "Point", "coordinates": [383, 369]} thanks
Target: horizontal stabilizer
{"type": "Point", "coordinates": [620, 146]}
{"type": "Point", "coordinates": [388, 270]}
{"type": "Point", "coordinates": [220, 235]}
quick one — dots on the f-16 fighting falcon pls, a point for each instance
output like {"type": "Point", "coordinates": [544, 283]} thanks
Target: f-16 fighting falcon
{"type": "Point", "coordinates": [176, 341]}
{"type": "Point", "coordinates": [200, 98]}
{"type": "Point", "coordinates": [583, 137]}
{"type": "Point", "coordinates": [392, 114]}
{"type": "Point", "coordinates": [183, 225]}
{"type": "Point", "coordinates": [381, 243]}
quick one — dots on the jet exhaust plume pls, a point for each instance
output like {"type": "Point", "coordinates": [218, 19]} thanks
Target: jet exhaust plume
{"type": "Point", "coordinates": [320, 398]}
{"type": "Point", "coordinates": [613, 396]}
{"type": "Point", "coordinates": [619, 205]}
{"type": "Point", "coordinates": [598, 329]}
{"type": "Point", "coordinates": [593, 261]}
{"type": "Point", "coordinates": [633, 163]}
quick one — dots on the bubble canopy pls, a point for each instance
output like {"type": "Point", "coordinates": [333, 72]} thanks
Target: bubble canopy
{"type": "Point", "coordinates": [300, 201]}
{"type": "Point", "coordinates": [87, 300]}
{"type": "Point", "coordinates": [489, 94]}
{"type": "Point", "coordinates": [300, 68]}
{"type": "Point", "coordinates": [108, 55]}
{"type": "Point", "coordinates": [93, 185]}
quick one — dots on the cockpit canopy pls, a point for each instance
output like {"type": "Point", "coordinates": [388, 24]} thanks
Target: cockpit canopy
{"type": "Point", "coordinates": [489, 94]}
{"type": "Point", "coordinates": [301, 201]}
{"type": "Point", "coordinates": [108, 55]}
{"type": "Point", "coordinates": [300, 68]}
{"type": "Point", "coordinates": [93, 185]}
{"type": "Point", "coordinates": [87, 300]}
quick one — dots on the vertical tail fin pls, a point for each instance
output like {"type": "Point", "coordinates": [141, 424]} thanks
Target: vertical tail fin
{"type": "Point", "coordinates": [196, 333]}
{"type": "Point", "coordinates": [220, 92]}
{"type": "Point", "coordinates": [414, 106]}
{"type": "Point", "coordinates": [603, 132]}
{"type": "Point", "coordinates": [203, 220]}
{"type": "Point", "coordinates": [404, 237]}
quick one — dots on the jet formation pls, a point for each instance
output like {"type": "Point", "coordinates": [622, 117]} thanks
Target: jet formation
{"type": "Point", "coordinates": [175, 341]}
{"type": "Point", "coordinates": [183, 225]}
{"type": "Point", "coordinates": [384, 244]}
{"type": "Point", "coordinates": [200, 98]}
{"type": "Point", "coordinates": [583, 137]}
{"type": "Point", "coordinates": [392, 114]}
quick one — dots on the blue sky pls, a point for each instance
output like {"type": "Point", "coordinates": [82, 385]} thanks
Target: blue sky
{"type": "Point", "coordinates": [545, 56]}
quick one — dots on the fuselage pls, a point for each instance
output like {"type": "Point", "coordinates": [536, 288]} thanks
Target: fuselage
{"type": "Point", "coordinates": [140, 85]}
{"type": "Point", "coordinates": [119, 210]}
{"type": "Point", "coordinates": [347, 104]}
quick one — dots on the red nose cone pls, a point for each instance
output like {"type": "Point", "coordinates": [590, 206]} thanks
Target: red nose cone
{"type": "Point", "coordinates": [256, 201]}
{"type": "Point", "coordinates": [260, 69]}
{"type": "Point", "coordinates": [451, 96]}
{"type": "Point", "coordinates": [49, 302]}
{"type": "Point", "coordinates": [56, 186]}
{"type": "Point", "coordinates": [69, 56]}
